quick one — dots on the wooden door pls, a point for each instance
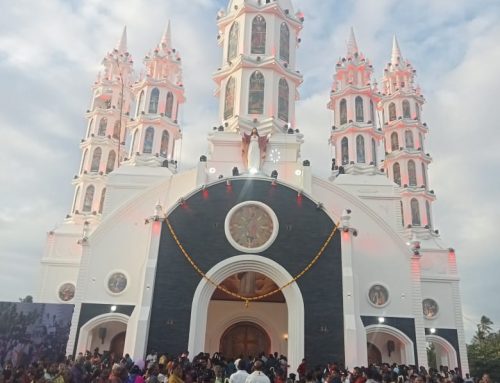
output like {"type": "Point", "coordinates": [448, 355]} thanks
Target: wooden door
{"type": "Point", "coordinates": [244, 338]}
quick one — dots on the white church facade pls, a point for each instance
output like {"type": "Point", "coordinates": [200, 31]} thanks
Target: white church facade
{"type": "Point", "coordinates": [250, 242]}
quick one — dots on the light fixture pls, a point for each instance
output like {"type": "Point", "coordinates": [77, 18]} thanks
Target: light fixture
{"type": "Point", "coordinates": [381, 320]}
{"type": "Point", "coordinates": [113, 308]}
{"type": "Point", "coordinates": [433, 330]}
{"type": "Point", "coordinates": [212, 170]}
{"type": "Point", "coordinates": [285, 337]}
{"type": "Point", "coordinates": [298, 172]}
{"type": "Point", "coordinates": [253, 171]}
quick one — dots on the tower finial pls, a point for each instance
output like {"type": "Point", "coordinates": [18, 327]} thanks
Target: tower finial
{"type": "Point", "coordinates": [122, 43]}
{"type": "Point", "coordinates": [166, 39]}
{"type": "Point", "coordinates": [352, 45]}
{"type": "Point", "coordinates": [396, 52]}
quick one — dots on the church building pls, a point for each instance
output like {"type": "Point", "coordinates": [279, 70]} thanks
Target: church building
{"type": "Point", "coordinates": [249, 251]}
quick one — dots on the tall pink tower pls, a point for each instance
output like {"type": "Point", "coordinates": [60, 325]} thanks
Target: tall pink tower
{"type": "Point", "coordinates": [154, 125]}
{"type": "Point", "coordinates": [103, 145]}
{"type": "Point", "coordinates": [257, 85]}
{"type": "Point", "coordinates": [406, 162]}
{"type": "Point", "coordinates": [353, 100]}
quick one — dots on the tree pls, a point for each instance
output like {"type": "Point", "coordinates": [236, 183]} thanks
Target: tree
{"type": "Point", "coordinates": [26, 299]}
{"type": "Point", "coordinates": [484, 351]}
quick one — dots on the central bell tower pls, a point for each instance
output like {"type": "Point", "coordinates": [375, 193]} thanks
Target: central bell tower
{"type": "Point", "coordinates": [257, 85]}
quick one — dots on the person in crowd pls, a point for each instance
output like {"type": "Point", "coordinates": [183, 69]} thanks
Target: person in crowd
{"type": "Point", "coordinates": [257, 376]}
{"type": "Point", "coordinates": [241, 375]}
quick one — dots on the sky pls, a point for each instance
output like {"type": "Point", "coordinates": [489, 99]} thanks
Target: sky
{"type": "Point", "coordinates": [50, 54]}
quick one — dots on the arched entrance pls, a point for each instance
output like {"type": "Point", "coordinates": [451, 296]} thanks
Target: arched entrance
{"type": "Point", "coordinates": [244, 338]}
{"type": "Point", "coordinates": [118, 344]}
{"type": "Point", "coordinates": [293, 339]}
{"type": "Point", "coordinates": [100, 332]}
{"type": "Point", "coordinates": [374, 354]}
{"type": "Point", "coordinates": [393, 345]}
{"type": "Point", "coordinates": [443, 352]}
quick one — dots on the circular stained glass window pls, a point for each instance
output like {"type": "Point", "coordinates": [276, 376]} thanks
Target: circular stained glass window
{"type": "Point", "coordinates": [66, 292]}
{"type": "Point", "coordinates": [430, 308]}
{"type": "Point", "coordinates": [378, 295]}
{"type": "Point", "coordinates": [117, 282]}
{"type": "Point", "coordinates": [251, 227]}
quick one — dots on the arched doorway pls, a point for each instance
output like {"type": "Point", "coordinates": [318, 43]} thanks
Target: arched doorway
{"type": "Point", "coordinates": [118, 344]}
{"type": "Point", "coordinates": [374, 354]}
{"type": "Point", "coordinates": [394, 346]}
{"type": "Point", "coordinates": [442, 352]}
{"type": "Point", "coordinates": [294, 314]}
{"type": "Point", "coordinates": [244, 338]}
{"type": "Point", "coordinates": [100, 331]}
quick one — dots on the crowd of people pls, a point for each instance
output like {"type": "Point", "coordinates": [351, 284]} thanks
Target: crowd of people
{"type": "Point", "coordinates": [204, 368]}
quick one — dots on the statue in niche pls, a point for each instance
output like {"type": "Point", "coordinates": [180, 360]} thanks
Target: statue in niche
{"type": "Point", "coordinates": [254, 150]}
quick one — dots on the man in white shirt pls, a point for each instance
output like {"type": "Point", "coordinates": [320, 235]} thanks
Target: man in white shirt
{"type": "Point", "coordinates": [257, 376]}
{"type": "Point", "coordinates": [241, 375]}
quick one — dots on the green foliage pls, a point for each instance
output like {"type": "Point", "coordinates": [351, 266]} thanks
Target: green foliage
{"type": "Point", "coordinates": [484, 351]}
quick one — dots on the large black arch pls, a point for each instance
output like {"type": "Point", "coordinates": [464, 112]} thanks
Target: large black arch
{"type": "Point", "coordinates": [199, 225]}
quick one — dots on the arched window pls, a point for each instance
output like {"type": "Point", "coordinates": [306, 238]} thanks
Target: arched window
{"type": "Point", "coordinates": [360, 114]}
{"type": "Point", "coordinates": [101, 202]}
{"type": "Point", "coordinates": [392, 111]}
{"type": "Point", "coordinates": [77, 194]}
{"type": "Point", "coordinates": [394, 141]}
{"type": "Point", "coordinates": [415, 212]}
{"type": "Point", "coordinates": [409, 139]}
{"type": "Point", "coordinates": [424, 176]}
{"type": "Point", "coordinates": [84, 158]}
{"type": "Point", "coordinates": [428, 212]}
{"type": "Point", "coordinates": [402, 213]}
{"type": "Point", "coordinates": [164, 144]}
{"type": "Point", "coordinates": [258, 35]}
{"type": "Point", "coordinates": [421, 139]}
{"type": "Point", "coordinates": [374, 152]}
{"type": "Point", "coordinates": [345, 151]}
{"type": "Point", "coordinates": [153, 101]}
{"type": "Point", "coordinates": [283, 100]}
{"type": "Point", "coordinates": [372, 112]}
{"type": "Point", "coordinates": [148, 140]}
{"type": "Point", "coordinates": [110, 165]}
{"type": "Point", "coordinates": [139, 104]}
{"type": "Point", "coordinates": [284, 42]}
{"type": "Point", "coordinates": [232, 45]}
{"type": "Point", "coordinates": [396, 173]}
{"type": "Point", "coordinates": [89, 198]}
{"type": "Point", "coordinates": [169, 105]}
{"type": "Point", "coordinates": [96, 160]}
{"type": "Point", "coordinates": [103, 124]}
{"type": "Point", "coordinates": [89, 128]}
{"type": "Point", "coordinates": [406, 109]}
{"type": "Point", "coordinates": [360, 149]}
{"type": "Point", "coordinates": [417, 111]}
{"type": "Point", "coordinates": [343, 111]}
{"type": "Point", "coordinates": [412, 173]}
{"type": "Point", "coordinates": [229, 98]}
{"type": "Point", "coordinates": [132, 144]}
{"type": "Point", "coordinates": [116, 130]}
{"type": "Point", "coordinates": [256, 93]}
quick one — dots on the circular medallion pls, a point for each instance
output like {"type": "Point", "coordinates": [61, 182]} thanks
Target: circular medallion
{"type": "Point", "coordinates": [430, 308]}
{"type": "Point", "coordinates": [251, 227]}
{"type": "Point", "coordinates": [66, 292]}
{"type": "Point", "coordinates": [378, 295]}
{"type": "Point", "coordinates": [117, 282]}
{"type": "Point", "coordinates": [275, 156]}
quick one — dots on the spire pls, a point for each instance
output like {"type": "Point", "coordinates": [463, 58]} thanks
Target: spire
{"type": "Point", "coordinates": [166, 38]}
{"type": "Point", "coordinates": [396, 52]}
{"type": "Point", "coordinates": [122, 43]}
{"type": "Point", "coordinates": [352, 45]}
